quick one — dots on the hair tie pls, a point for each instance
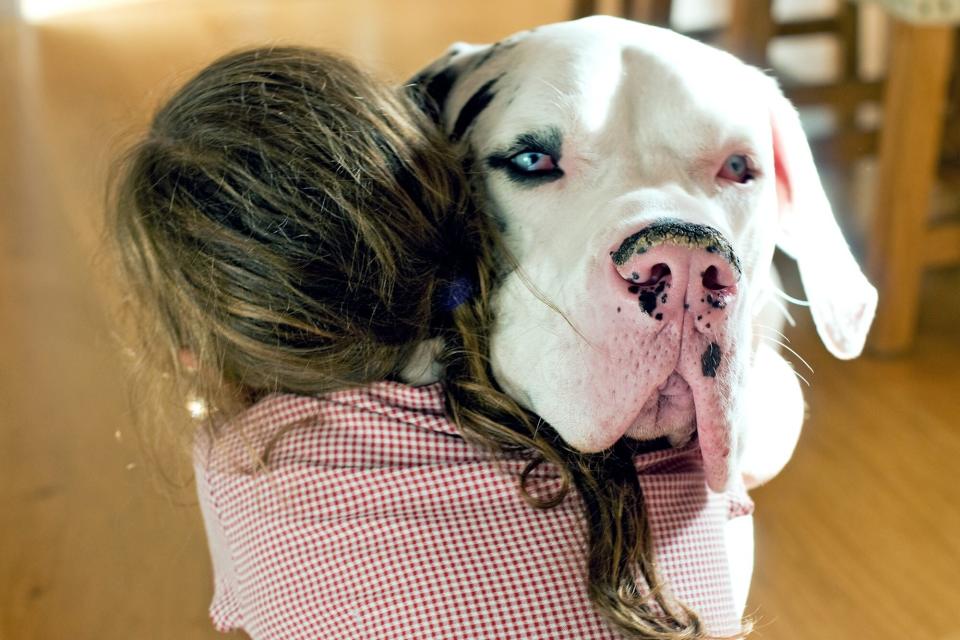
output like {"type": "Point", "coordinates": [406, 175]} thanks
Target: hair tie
{"type": "Point", "coordinates": [455, 293]}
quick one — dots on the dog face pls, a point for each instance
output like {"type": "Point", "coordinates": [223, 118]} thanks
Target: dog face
{"type": "Point", "coordinates": [642, 181]}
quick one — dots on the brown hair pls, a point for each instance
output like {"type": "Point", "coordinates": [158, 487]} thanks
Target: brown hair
{"type": "Point", "coordinates": [291, 222]}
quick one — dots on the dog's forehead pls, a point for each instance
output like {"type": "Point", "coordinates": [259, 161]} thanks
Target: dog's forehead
{"type": "Point", "coordinates": [577, 73]}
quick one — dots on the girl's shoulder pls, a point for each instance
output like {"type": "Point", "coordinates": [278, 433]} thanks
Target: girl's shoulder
{"type": "Point", "coordinates": [381, 424]}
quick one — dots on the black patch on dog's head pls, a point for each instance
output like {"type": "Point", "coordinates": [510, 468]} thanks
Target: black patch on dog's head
{"type": "Point", "coordinates": [496, 48]}
{"type": "Point", "coordinates": [485, 58]}
{"type": "Point", "coordinates": [479, 101]}
{"type": "Point", "coordinates": [431, 91]}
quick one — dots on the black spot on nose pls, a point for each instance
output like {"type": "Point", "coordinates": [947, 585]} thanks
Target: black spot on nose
{"type": "Point", "coordinates": [710, 360]}
{"type": "Point", "coordinates": [648, 301]}
{"type": "Point", "coordinates": [716, 303]}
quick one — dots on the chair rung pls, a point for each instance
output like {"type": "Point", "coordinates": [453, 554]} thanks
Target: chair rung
{"type": "Point", "coordinates": [845, 145]}
{"type": "Point", "coordinates": [842, 94]}
{"type": "Point", "coordinates": [806, 27]}
{"type": "Point", "coordinates": [942, 245]}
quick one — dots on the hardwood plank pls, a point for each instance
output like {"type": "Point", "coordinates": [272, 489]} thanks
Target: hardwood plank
{"type": "Point", "coordinates": [862, 519]}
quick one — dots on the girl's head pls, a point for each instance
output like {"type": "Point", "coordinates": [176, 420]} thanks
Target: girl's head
{"type": "Point", "coordinates": [287, 224]}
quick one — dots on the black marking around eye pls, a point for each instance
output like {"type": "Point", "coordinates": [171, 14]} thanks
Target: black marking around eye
{"type": "Point", "coordinates": [710, 360]}
{"type": "Point", "coordinates": [479, 101]}
{"type": "Point", "coordinates": [478, 192]}
{"type": "Point", "coordinates": [498, 218]}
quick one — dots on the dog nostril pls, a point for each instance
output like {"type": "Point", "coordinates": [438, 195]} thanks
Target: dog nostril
{"type": "Point", "coordinates": [658, 272]}
{"type": "Point", "coordinates": [711, 279]}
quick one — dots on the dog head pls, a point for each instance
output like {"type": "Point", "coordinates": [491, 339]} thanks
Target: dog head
{"type": "Point", "coordinates": [642, 181]}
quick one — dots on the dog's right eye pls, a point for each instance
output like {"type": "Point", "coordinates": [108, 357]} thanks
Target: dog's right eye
{"type": "Point", "coordinates": [532, 159]}
{"type": "Point", "coordinates": [528, 167]}
{"type": "Point", "coordinates": [533, 162]}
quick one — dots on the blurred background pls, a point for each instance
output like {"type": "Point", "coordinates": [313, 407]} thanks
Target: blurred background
{"type": "Point", "coordinates": [858, 538]}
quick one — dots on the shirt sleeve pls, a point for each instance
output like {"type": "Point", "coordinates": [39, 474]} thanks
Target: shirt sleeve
{"type": "Point", "coordinates": [225, 609]}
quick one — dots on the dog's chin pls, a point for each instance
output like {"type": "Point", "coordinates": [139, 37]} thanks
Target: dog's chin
{"type": "Point", "coordinates": [669, 413]}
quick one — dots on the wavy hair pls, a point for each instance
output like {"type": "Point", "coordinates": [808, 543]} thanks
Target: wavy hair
{"type": "Point", "coordinates": [287, 224]}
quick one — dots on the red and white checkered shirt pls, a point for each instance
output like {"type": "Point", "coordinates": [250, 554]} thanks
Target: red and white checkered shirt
{"type": "Point", "coordinates": [377, 520]}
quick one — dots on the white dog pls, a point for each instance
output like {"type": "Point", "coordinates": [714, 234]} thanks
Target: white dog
{"type": "Point", "coordinates": [642, 181]}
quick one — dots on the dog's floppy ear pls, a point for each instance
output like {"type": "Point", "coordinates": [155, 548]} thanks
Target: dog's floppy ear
{"type": "Point", "coordinates": [431, 86]}
{"type": "Point", "coordinates": [842, 301]}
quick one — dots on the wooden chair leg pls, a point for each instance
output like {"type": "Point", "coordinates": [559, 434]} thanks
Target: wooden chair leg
{"type": "Point", "coordinates": [909, 149]}
{"type": "Point", "coordinates": [750, 30]}
{"type": "Point", "coordinates": [849, 34]}
{"type": "Point", "coordinates": [655, 12]}
{"type": "Point", "coordinates": [849, 38]}
{"type": "Point", "coordinates": [951, 135]}
{"type": "Point", "coordinates": [584, 8]}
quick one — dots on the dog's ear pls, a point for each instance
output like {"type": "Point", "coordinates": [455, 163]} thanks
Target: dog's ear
{"type": "Point", "coordinates": [431, 86]}
{"type": "Point", "coordinates": [842, 301]}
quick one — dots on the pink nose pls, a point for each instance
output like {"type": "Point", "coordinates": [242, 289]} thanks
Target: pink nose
{"type": "Point", "coordinates": [671, 273]}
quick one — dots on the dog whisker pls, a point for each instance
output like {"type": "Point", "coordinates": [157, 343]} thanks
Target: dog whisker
{"type": "Point", "coordinates": [763, 326]}
{"type": "Point", "coordinates": [801, 358]}
{"type": "Point", "coordinates": [801, 378]}
{"type": "Point", "coordinates": [789, 298]}
{"type": "Point", "coordinates": [786, 313]}
{"type": "Point", "coordinates": [792, 369]}
{"type": "Point", "coordinates": [539, 295]}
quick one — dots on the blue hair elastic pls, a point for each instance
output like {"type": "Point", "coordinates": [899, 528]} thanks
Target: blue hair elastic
{"type": "Point", "coordinates": [456, 293]}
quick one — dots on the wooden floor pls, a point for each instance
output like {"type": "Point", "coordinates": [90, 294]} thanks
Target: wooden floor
{"type": "Point", "coordinates": [858, 538]}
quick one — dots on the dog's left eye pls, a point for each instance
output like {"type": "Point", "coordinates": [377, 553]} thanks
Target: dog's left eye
{"type": "Point", "coordinates": [737, 169]}
{"type": "Point", "coordinates": [533, 162]}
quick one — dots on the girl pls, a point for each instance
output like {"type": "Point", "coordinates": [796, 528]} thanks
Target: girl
{"type": "Point", "coordinates": [300, 248]}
